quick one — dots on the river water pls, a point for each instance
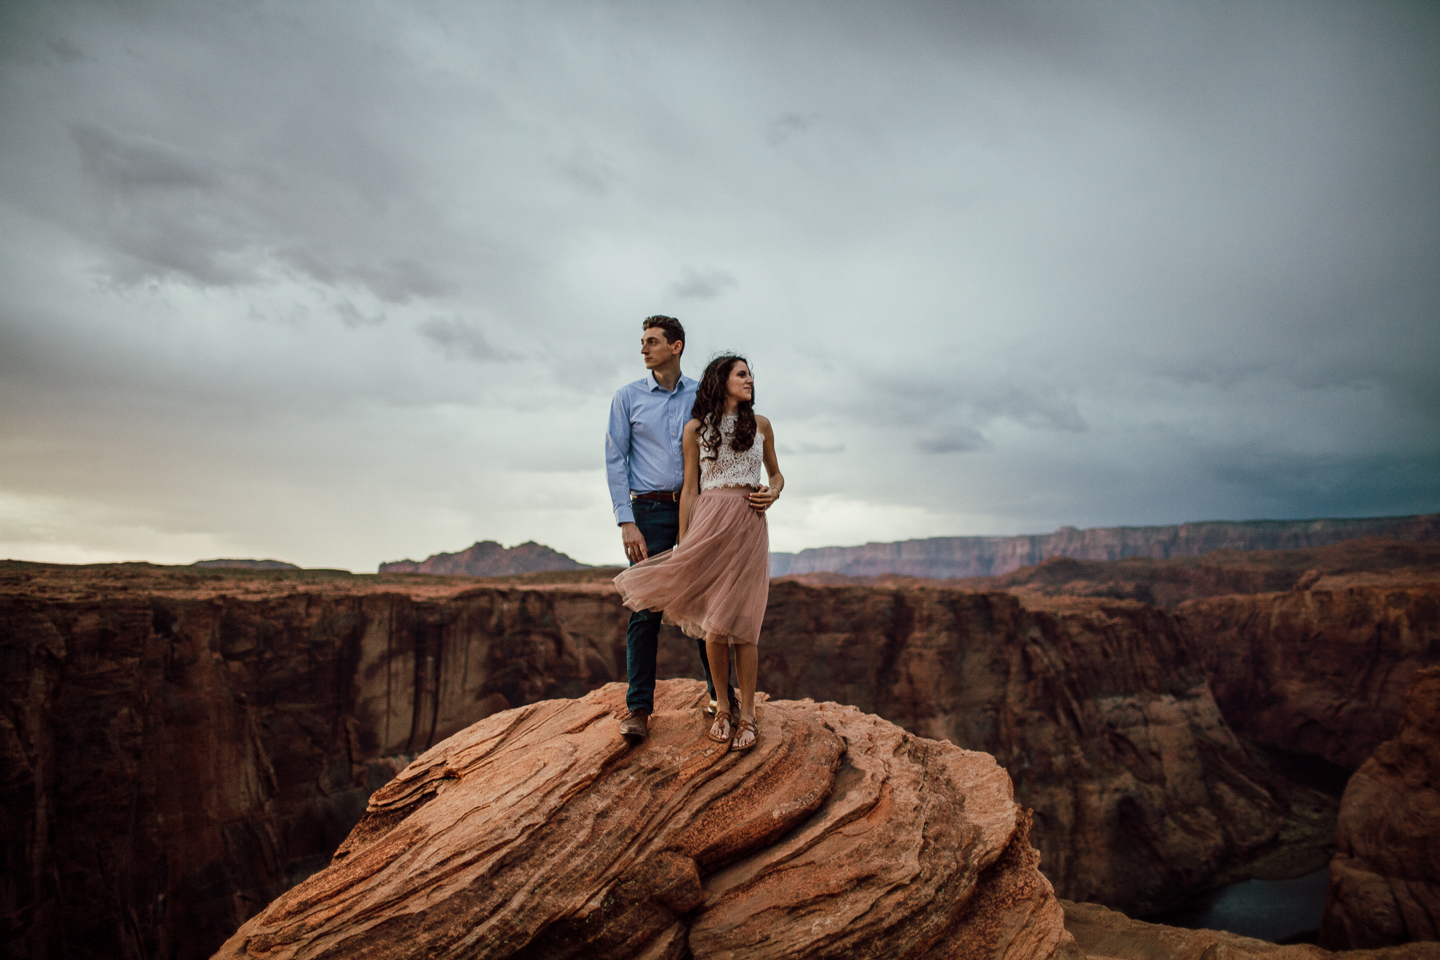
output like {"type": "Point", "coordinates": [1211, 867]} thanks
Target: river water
{"type": "Point", "coordinates": [1274, 910]}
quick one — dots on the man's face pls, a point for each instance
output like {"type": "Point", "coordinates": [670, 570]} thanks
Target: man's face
{"type": "Point", "coordinates": [656, 350]}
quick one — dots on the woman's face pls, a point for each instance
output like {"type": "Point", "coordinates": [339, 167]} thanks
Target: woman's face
{"type": "Point", "coordinates": [740, 387]}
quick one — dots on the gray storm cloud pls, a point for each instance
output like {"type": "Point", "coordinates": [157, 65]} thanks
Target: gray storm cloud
{"type": "Point", "coordinates": [341, 283]}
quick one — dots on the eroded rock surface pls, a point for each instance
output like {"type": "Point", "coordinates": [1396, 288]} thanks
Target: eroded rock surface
{"type": "Point", "coordinates": [540, 833]}
{"type": "Point", "coordinates": [1321, 669]}
{"type": "Point", "coordinates": [280, 696]}
{"type": "Point", "coordinates": [178, 746]}
{"type": "Point", "coordinates": [1096, 708]}
{"type": "Point", "coordinates": [1385, 876]}
{"type": "Point", "coordinates": [1105, 934]}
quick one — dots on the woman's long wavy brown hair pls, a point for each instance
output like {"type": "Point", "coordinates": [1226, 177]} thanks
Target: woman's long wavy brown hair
{"type": "Point", "coordinates": [710, 407]}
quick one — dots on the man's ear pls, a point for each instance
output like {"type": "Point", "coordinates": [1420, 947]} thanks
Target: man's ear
{"type": "Point", "coordinates": [677, 347]}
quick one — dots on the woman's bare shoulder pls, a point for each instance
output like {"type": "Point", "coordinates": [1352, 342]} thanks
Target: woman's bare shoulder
{"type": "Point", "coordinates": [692, 427]}
{"type": "Point", "coordinates": [762, 422]}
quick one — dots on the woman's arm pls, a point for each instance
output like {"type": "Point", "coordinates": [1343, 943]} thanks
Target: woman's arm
{"type": "Point", "coordinates": [690, 445]}
{"type": "Point", "coordinates": [762, 498]}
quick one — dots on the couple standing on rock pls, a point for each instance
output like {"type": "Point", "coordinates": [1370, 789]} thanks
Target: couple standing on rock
{"type": "Point", "coordinates": [683, 463]}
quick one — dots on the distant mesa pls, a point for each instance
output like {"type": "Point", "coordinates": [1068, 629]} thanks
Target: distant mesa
{"type": "Point", "coordinates": [486, 558]}
{"type": "Point", "coordinates": [955, 557]}
{"type": "Point", "coordinates": [247, 564]}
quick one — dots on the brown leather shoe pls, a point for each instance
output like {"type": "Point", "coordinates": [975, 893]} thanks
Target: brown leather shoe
{"type": "Point", "coordinates": [635, 725]}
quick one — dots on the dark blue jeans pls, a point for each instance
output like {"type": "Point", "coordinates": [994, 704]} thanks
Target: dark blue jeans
{"type": "Point", "coordinates": [659, 524]}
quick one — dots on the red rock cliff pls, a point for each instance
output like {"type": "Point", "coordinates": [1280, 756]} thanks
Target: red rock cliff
{"type": "Point", "coordinates": [1385, 876]}
{"type": "Point", "coordinates": [180, 745]}
{"type": "Point", "coordinates": [539, 834]}
{"type": "Point", "coordinates": [1323, 669]}
{"type": "Point", "coordinates": [1096, 708]}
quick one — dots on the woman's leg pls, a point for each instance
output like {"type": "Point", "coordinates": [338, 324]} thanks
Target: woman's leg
{"type": "Point", "coordinates": [719, 656]}
{"type": "Point", "coordinates": [747, 665]}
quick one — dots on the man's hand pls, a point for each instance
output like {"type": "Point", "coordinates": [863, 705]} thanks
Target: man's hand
{"type": "Point", "coordinates": [634, 542]}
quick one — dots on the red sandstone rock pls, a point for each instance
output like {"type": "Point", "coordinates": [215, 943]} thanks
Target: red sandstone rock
{"type": "Point", "coordinates": [124, 674]}
{"type": "Point", "coordinates": [280, 694]}
{"type": "Point", "coordinates": [1096, 708]}
{"type": "Point", "coordinates": [179, 746]}
{"type": "Point", "coordinates": [1107, 935]}
{"type": "Point", "coordinates": [539, 833]}
{"type": "Point", "coordinates": [1322, 670]}
{"type": "Point", "coordinates": [1385, 876]}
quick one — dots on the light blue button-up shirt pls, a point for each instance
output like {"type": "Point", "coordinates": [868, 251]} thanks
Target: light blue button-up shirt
{"type": "Point", "coordinates": [642, 445]}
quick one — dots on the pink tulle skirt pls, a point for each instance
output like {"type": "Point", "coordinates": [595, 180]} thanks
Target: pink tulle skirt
{"type": "Point", "coordinates": [714, 585]}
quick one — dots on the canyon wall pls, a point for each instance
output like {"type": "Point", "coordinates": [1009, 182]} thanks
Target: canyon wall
{"type": "Point", "coordinates": [180, 745]}
{"type": "Point", "coordinates": [1385, 876]}
{"type": "Point", "coordinates": [951, 557]}
{"type": "Point", "coordinates": [1321, 669]}
{"type": "Point", "coordinates": [1095, 707]}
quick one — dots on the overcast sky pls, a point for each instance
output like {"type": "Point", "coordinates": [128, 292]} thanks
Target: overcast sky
{"type": "Point", "coordinates": [341, 283]}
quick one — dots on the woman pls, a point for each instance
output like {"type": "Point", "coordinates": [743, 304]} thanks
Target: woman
{"type": "Point", "coordinates": [715, 582]}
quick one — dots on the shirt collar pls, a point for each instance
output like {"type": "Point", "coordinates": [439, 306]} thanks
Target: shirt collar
{"type": "Point", "coordinates": [680, 384]}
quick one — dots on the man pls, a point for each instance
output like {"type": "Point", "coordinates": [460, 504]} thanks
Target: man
{"type": "Point", "coordinates": [645, 469]}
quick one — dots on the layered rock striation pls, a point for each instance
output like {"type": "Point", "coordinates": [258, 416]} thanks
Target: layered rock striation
{"type": "Point", "coordinates": [180, 745]}
{"type": "Point", "coordinates": [1385, 876]}
{"type": "Point", "coordinates": [486, 558]}
{"type": "Point", "coordinates": [1096, 708]}
{"type": "Point", "coordinates": [539, 833]}
{"type": "Point", "coordinates": [1323, 668]}
{"type": "Point", "coordinates": [951, 557]}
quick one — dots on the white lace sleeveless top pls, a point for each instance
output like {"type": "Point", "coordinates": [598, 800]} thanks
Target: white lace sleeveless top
{"type": "Point", "coordinates": [729, 468]}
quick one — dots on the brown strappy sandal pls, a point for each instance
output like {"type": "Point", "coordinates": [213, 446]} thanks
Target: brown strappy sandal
{"type": "Point", "coordinates": [729, 721]}
{"type": "Point", "coordinates": [740, 728]}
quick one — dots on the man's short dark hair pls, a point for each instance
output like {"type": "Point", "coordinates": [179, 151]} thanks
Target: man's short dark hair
{"type": "Point", "coordinates": [670, 327]}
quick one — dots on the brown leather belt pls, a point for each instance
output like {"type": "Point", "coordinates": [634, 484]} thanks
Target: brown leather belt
{"type": "Point", "coordinates": [663, 496]}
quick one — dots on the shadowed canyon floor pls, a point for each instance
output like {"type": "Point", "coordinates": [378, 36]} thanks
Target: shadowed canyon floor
{"type": "Point", "coordinates": [286, 698]}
